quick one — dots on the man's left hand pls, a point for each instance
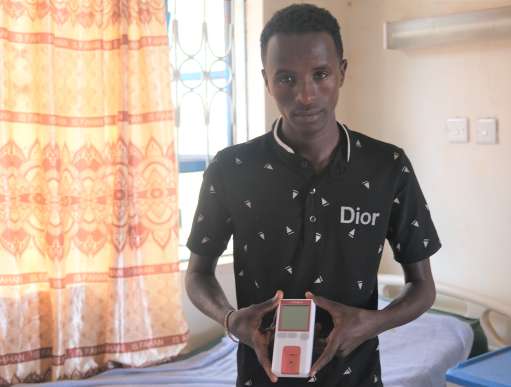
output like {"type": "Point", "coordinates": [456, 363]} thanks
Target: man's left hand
{"type": "Point", "coordinates": [351, 327]}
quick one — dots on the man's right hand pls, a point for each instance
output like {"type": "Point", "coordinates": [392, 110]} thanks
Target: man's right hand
{"type": "Point", "coordinates": [245, 324]}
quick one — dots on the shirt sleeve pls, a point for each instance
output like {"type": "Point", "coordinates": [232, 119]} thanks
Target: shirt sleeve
{"type": "Point", "coordinates": [411, 232]}
{"type": "Point", "coordinates": [212, 223]}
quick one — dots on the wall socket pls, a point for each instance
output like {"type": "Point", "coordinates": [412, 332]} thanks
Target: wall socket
{"type": "Point", "coordinates": [486, 131]}
{"type": "Point", "coordinates": [457, 130]}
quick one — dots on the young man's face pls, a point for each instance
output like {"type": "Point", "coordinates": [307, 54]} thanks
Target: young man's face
{"type": "Point", "coordinates": [303, 73]}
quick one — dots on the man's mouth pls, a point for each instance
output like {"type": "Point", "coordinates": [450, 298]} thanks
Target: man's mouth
{"type": "Point", "coordinates": [308, 116]}
{"type": "Point", "coordinates": [307, 113]}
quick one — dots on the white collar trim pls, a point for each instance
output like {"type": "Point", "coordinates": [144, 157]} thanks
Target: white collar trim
{"type": "Point", "coordinates": [276, 125]}
{"type": "Point", "coordinates": [290, 150]}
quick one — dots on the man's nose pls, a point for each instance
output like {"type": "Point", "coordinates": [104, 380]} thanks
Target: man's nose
{"type": "Point", "coordinates": [306, 92]}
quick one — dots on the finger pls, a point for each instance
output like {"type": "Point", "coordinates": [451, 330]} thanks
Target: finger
{"type": "Point", "coordinates": [319, 346]}
{"type": "Point", "coordinates": [273, 322]}
{"type": "Point", "coordinates": [271, 303]}
{"type": "Point", "coordinates": [317, 329]}
{"type": "Point", "coordinates": [322, 302]}
{"type": "Point", "coordinates": [325, 357]}
{"type": "Point", "coordinates": [267, 369]}
{"type": "Point", "coordinates": [261, 351]}
{"type": "Point", "coordinates": [346, 352]}
{"type": "Point", "coordinates": [322, 342]}
{"type": "Point", "coordinates": [347, 348]}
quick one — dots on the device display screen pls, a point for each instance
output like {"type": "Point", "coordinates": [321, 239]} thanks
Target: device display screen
{"type": "Point", "coordinates": [294, 317]}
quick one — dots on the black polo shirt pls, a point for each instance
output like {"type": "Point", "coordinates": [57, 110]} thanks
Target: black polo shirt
{"type": "Point", "coordinates": [296, 230]}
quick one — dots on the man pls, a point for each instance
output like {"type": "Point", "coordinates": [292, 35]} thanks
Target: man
{"type": "Point", "coordinates": [310, 205]}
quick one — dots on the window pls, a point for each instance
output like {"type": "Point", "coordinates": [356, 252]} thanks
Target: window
{"type": "Point", "coordinates": [207, 39]}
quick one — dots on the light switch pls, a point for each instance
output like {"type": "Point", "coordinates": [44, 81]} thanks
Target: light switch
{"type": "Point", "coordinates": [486, 131]}
{"type": "Point", "coordinates": [457, 130]}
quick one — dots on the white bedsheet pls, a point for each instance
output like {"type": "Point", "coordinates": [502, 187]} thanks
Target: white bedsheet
{"type": "Point", "coordinates": [419, 354]}
{"type": "Point", "coordinates": [414, 355]}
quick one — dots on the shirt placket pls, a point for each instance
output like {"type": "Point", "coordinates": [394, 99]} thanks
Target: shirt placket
{"type": "Point", "coordinates": [312, 234]}
{"type": "Point", "coordinates": [312, 229]}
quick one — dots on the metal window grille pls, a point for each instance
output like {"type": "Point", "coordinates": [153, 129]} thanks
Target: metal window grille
{"type": "Point", "coordinates": [207, 51]}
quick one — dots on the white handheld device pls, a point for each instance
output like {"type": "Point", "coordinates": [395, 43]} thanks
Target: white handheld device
{"type": "Point", "coordinates": [294, 338]}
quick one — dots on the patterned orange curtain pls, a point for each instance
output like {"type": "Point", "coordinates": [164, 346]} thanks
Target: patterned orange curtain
{"type": "Point", "coordinates": [88, 182]}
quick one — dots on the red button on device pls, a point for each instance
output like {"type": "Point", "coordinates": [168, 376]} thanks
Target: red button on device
{"type": "Point", "coordinates": [291, 360]}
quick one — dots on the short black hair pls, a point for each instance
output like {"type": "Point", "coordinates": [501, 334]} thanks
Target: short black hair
{"type": "Point", "coordinates": [300, 19]}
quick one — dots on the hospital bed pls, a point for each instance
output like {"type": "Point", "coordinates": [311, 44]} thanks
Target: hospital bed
{"type": "Point", "coordinates": [414, 355]}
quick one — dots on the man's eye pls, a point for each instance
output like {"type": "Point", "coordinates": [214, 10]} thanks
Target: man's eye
{"type": "Point", "coordinates": [285, 79]}
{"type": "Point", "coordinates": [321, 75]}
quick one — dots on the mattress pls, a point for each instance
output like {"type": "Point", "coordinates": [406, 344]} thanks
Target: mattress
{"type": "Point", "coordinates": [417, 354]}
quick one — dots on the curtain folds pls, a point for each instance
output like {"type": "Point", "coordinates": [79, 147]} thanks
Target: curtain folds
{"type": "Point", "coordinates": [88, 189]}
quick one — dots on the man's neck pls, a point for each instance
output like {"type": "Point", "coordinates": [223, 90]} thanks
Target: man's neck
{"type": "Point", "coordinates": [317, 148]}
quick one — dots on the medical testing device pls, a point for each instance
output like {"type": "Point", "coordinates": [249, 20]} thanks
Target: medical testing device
{"type": "Point", "coordinates": [294, 338]}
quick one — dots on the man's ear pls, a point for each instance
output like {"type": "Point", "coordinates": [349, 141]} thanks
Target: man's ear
{"type": "Point", "coordinates": [266, 83]}
{"type": "Point", "coordinates": [343, 66]}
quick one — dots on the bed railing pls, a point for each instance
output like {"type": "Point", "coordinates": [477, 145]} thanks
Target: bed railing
{"type": "Point", "coordinates": [495, 319]}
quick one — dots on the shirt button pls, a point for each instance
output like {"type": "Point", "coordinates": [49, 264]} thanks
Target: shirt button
{"type": "Point", "coordinates": [312, 219]}
{"type": "Point", "coordinates": [312, 191]}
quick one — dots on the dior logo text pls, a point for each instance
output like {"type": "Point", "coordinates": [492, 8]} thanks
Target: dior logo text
{"type": "Point", "coordinates": [353, 215]}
